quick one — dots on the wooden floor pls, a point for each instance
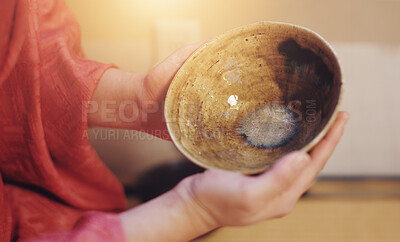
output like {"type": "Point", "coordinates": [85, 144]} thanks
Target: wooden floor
{"type": "Point", "coordinates": [360, 210]}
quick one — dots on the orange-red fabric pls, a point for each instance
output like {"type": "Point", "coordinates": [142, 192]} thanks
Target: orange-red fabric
{"type": "Point", "coordinates": [50, 175]}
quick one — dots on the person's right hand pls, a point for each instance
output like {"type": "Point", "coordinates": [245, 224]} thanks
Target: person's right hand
{"type": "Point", "coordinates": [215, 198]}
{"type": "Point", "coordinates": [231, 199]}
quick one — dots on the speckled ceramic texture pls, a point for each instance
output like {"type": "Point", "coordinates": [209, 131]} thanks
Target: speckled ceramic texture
{"type": "Point", "coordinates": [252, 95]}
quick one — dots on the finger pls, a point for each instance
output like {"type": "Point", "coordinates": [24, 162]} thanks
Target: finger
{"type": "Point", "coordinates": [159, 78]}
{"type": "Point", "coordinates": [320, 155]}
{"type": "Point", "coordinates": [185, 52]}
{"type": "Point", "coordinates": [285, 175]}
{"type": "Point", "coordinates": [172, 63]}
{"type": "Point", "coordinates": [281, 175]}
{"type": "Point", "coordinates": [326, 146]}
{"type": "Point", "coordinates": [287, 179]}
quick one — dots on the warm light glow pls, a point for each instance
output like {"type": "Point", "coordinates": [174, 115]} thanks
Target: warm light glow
{"type": "Point", "coordinates": [156, 5]}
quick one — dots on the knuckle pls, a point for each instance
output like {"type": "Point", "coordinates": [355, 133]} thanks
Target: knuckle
{"type": "Point", "coordinates": [289, 170]}
{"type": "Point", "coordinates": [285, 174]}
{"type": "Point", "coordinates": [247, 202]}
{"type": "Point", "coordinates": [284, 211]}
{"type": "Point", "coordinates": [280, 215]}
{"type": "Point", "coordinates": [287, 209]}
{"type": "Point", "coordinates": [247, 207]}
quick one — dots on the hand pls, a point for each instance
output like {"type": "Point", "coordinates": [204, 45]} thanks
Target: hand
{"type": "Point", "coordinates": [155, 86]}
{"type": "Point", "coordinates": [216, 198]}
{"type": "Point", "coordinates": [134, 101]}
{"type": "Point", "coordinates": [231, 199]}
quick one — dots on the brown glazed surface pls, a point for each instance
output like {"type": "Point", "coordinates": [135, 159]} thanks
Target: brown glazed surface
{"type": "Point", "coordinates": [252, 95]}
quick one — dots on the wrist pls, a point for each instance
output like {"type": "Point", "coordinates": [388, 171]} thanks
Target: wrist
{"type": "Point", "coordinates": [174, 215]}
{"type": "Point", "coordinates": [116, 100]}
{"type": "Point", "coordinates": [194, 207]}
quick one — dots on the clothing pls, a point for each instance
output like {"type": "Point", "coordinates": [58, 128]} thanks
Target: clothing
{"type": "Point", "coordinates": [53, 185]}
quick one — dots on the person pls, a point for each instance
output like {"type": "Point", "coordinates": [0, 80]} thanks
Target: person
{"type": "Point", "coordinates": [53, 185]}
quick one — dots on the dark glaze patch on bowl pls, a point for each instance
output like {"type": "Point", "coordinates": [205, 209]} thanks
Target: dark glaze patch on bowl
{"type": "Point", "coordinates": [307, 81]}
{"type": "Point", "coordinates": [302, 61]}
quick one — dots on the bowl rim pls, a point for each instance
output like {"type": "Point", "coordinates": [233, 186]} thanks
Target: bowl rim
{"type": "Point", "coordinates": [306, 148]}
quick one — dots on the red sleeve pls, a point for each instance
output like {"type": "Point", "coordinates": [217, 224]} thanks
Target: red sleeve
{"type": "Point", "coordinates": [39, 216]}
{"type": "Point", "coordinates": [53, 179]}
{"type": "Point", "coordinates": [13, 19]}
{"type": "Point", "coordinates": [13, 27]}
{"type": "Point", "coordinates": [5, 215]}
{"type": "Point", "coordinates": [91, 227]}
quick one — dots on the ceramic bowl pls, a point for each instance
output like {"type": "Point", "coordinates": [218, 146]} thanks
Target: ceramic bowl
{"type": "Point", "coordinates": [253, 94]}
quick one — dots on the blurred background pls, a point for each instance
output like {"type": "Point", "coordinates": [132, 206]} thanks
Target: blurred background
{"type": "Point", "coordinates": [361, 179]}
{"type": "Point", "coordinates": [137, 34]}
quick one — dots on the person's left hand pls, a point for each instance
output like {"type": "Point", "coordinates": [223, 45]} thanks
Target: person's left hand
{"type": "Point", "coordinates": [155, 86]}
{"type": "Point", "coordinates": [129, 100]}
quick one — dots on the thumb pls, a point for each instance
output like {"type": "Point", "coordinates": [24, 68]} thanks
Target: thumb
{"type": "Point", "coordinates": [283, 173]}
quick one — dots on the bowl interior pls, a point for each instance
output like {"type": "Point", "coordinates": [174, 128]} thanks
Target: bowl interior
{"type": "Point", "coordinates": [252, 95]}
